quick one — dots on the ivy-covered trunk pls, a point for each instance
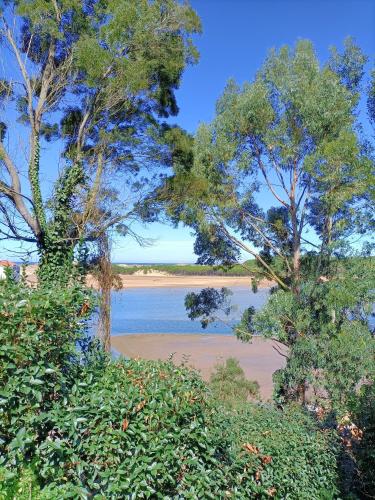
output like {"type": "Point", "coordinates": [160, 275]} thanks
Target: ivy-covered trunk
{"type": "Point", "coordinates": [56, 263]}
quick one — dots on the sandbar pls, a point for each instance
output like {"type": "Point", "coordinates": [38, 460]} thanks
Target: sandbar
{"type": "Point", "coordinates": [173, 281]}
{"type": "Point", "coordinates": [259, 359]}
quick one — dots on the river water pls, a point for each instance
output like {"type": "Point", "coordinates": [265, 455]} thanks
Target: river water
{"type": "Point", "coordinates": [162, 310]}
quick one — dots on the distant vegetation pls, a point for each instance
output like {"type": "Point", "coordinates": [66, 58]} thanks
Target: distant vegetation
{"type": "Point", "coordinates": [246, 269]}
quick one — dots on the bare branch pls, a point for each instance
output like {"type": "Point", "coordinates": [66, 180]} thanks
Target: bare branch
{"type": "Point", "coordinates": [247, 249]}
{"type": "Point", "coordinates": [22, 67]}
{"type": "Point", "coordinates": [14, 192]}
{"type": "Point", "coordinates": [270, 186]}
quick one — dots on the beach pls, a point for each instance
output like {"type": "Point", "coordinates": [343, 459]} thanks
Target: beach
{"type": "Point", "coordinates": [258, 359]}
{"type": "Point", "coordinates": [159, 279]}
{"type": "Point", "coordinates": [164, 280]}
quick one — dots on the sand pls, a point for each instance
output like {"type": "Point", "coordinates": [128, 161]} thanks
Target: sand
{"type": "Point", "coordinates": [258, 359]}
{"type": "Point", "coordinates": [161, 279]}
{"type": "Point", "coordinates": [164, 280]}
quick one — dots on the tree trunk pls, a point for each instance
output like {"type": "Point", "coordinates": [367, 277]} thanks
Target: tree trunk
{"type": "Point", "coordinates": [296, 266]}
{"type": "Point", "coordinates": [105, 283]}
{"type": "Point", "coordinates": [56, 263]}
{"type": "Point", "coordinates": [296, 277]}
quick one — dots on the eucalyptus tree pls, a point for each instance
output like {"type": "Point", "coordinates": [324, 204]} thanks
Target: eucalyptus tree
{"type": "Point", "coordinates": [97, 76]}
{"type": "Point", "coordinates": [282, 175]}
{"type": "Point", "coordinates": [286, 140]}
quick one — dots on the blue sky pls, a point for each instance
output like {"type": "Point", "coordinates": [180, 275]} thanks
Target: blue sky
{"type": "Point", "coordinates": [237, 35]}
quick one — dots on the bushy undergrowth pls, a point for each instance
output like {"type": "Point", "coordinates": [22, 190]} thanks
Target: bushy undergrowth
{"type": "Point", "coordinates": [229, 384]}
{"type": "Point", "coordinates": [283, 453]}
{"type": "Point", "coordinates": [39, 361]}
{"type": "Point", "coordinates": [364, 452]}
{"type": "Point", "coordinates": [136, 429]}
{"type": "Point", "coordinates": [75, 424]}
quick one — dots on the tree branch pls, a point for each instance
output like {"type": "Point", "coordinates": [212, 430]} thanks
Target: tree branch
{"type": "Point", "coordinates": [239, 243]}
{"type": "Point", "coordinates": [264, 173]}
{"type": "Point", "coordinates": [14, 192]}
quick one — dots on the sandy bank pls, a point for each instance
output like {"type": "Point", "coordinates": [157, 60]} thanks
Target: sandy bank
{"type": "Point", "coordinates": [154, 280]}
{"type": "Point", "coordinates": [258, 359]}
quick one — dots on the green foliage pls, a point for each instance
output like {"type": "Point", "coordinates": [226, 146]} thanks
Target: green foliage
{"type": "Point", "coordinates": [229, 384]}
{"type": "Point", "coordinates": [22, 485]}
{"type": "Point", "coordinates": [207, 303]}
{"type": "Point", "coordinates": [364, 416]}
{"type": "Point", "coordinates": [348, 65]}
{"type": "Point", "coordinates": [292, 132]}
{"type": "Point", "coordinates": [149, 429]}
{"type": "Point", "coordinates": [136, 428]}
{"type": "Point", "coordinates": [331, 347]}
{"type": "Point", "coordinates": [39, 330]}
{"type": "Point", "coordinates": [281, 453]}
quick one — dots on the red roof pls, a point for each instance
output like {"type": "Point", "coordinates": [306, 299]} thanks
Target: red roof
{"type": "Point", "coordinates": [7, 263]}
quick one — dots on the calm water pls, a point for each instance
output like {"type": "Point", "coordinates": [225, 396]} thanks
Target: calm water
{"type": "Point", "coordinates": [162, 310]}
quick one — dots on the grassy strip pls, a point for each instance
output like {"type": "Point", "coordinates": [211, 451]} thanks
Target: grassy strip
{"type": "Point", "coordinates": [189, 269]}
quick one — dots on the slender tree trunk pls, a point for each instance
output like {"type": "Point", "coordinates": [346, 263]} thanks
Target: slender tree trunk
{"type": "Point", "coordinates": [328, 242]}
{"type": "Point", "coordinates": [296, 266]}
{"type": "Point", "coordinates": [105, 283]}
{"type": "Point", "coordinates": [296, 278]}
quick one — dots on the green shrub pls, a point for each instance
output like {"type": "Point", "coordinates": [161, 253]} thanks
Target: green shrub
{"type": "Point", "coordinates": [136, 429]}
{"type": "Point", "coordinates": [364, 417]}
{"type": "Point", "coordinates": [229, 384]}
{"type": "Point", "coordinates": [147, 429]}
{"type": "Point", "coordinates": [39, 330]}
{"type": "Point", "coordinates": [281, 453]}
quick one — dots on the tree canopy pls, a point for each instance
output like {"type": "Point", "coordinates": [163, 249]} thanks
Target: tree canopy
{"type": "Point", "coordinates": [290, 133]}
{"type": "Point", "coordinates": [97, 76]}
{"type": "Point", "coordinates": [284, 174]}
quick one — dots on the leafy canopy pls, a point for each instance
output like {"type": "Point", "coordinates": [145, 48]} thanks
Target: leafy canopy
{"type": "Point", "coordinates": [98, 77]}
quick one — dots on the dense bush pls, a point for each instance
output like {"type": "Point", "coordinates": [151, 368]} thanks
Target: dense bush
{"type": "Point", "coordinates": [364, 417]}
{"type": "Point", "coordinates": [39, 330]}
{"type": "Point", "coordinates": [148, 429]}
{"type": "Point", "coordinates": [282, 453]}
{"type": "Point", "coordinates": [136, 429]}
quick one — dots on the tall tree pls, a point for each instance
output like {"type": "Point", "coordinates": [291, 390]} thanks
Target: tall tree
{"type": "Point", "coordinates": [97, 76]}
{"type": "Point", "coordinates": [291, 134]}
{"type": "Point", "coordinates": [282, 175]}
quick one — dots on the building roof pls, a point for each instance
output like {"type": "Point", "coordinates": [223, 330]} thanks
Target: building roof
{"type": "Point", "coordinates": [7, 263]}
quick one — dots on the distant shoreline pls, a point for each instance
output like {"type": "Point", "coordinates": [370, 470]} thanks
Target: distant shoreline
{"type": "Point", "coordinates": [161, 280]}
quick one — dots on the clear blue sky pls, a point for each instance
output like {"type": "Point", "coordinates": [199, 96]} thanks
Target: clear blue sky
{"type": "Point", "coordinates": [237, 35]}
